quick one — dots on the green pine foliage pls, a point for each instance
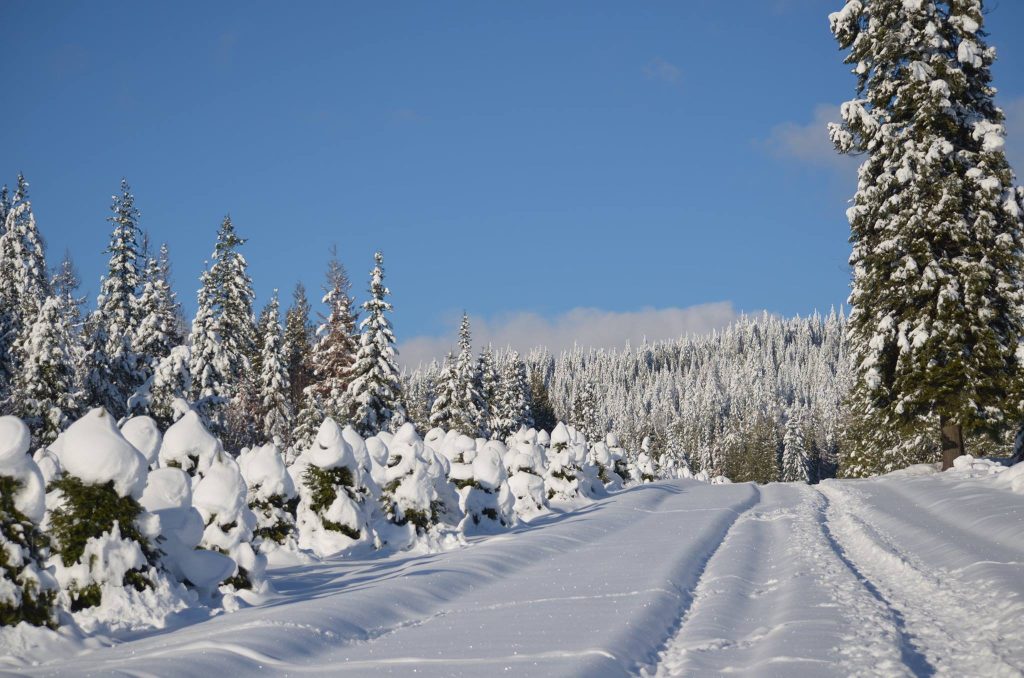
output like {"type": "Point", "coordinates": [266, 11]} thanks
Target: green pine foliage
{"type": "Point", "coordinates": [21, 545]}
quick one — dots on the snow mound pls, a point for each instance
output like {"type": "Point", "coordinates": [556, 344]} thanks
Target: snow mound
{"type": "Point", "coordinates": [188, 445]}
{"type": "Point", "coordinates": [15, 463]}
{"type": "Point", "coordinates": [143, 433]}
{"type": "Point", "coordinates": [93, 450]}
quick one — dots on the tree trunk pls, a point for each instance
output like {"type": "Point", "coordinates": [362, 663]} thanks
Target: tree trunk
{"type": "Point", "coordinates": [952, 442]}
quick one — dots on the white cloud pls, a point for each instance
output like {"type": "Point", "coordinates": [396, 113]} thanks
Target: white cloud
{"type": "Point", "coordinates": [588, 327]}
{"type": "Point", "coordinates": [1014, 111]}
{"type": "Point", "coordinates": [809, 143]}
{"type": "Point", "coordinates": [660, 69]}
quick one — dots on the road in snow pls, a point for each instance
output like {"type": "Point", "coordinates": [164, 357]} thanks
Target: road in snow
{"type": "Point", "coordinates": [914, 575]}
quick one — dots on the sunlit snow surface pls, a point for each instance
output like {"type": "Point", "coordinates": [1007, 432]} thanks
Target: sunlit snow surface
{"type": "Point", "coordinates": [914, 574]}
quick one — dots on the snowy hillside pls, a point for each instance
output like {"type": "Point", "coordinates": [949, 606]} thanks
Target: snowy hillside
{"type": "Point", "coordinates": [908, 574]}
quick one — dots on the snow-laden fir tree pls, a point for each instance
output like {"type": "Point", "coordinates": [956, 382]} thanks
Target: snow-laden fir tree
{"type": "Point", "coordinates": [223, 332]}
{"type": "Point", "coordinates": [164, 396]}
{"type": "Point", "coordinates": [115, 317]}
{"type": "Point", "coordinates": [273, 378]}
{"type": "Point", "coordinates": [375, 392]}
{"type": "Point", "coordinates": [44, 388]}
{"type": "Point", "coordinates": [487, 380]}
{"type": "Point", "coordinates": [157, 329]}
{"type": "Point", "coordinates": [337, 344]}
{"type": "Point", "coordinates": [298, 346]}
{"type": "Point", "coordinates": [446, 390]}
{"type": "Point", "coordinates": [512, 401]}
{"type": "Point", "coordinates": [794, 450]}
{"type": "Point", "coordinates": [935, 225]}
{"type": "Point", "coordinates": [24, 283]}
{"type": "Point", "coordinates": [27, 591]}
{"type": "Point", "coordinates": [468, 410]}
{"type": "Point", "coordinates": [584, 414]}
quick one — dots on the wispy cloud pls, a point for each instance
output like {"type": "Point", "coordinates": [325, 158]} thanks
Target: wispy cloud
{"type": "Point", "coordinates": [660, 69]}
{"type": "Point", "coordinates": [587, 327]}
{"type": "Point", "coordinates": [808, 143]}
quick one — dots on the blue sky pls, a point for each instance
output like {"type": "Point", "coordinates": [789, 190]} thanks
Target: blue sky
{"type": "Point", "coordinates": [516, 160]}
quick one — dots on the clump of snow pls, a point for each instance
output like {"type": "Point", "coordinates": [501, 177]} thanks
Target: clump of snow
{"type": "Point", "coordinates": [15, 462]}
{"type": "Point", "coordinates": [168, 495]}
{"type": "Point", "coordinates": [143, 433]}
{"type": "Point", "coordinates": [93, 450]}
{"type": "Point", "coordinates": [220, 498]}
{"type": "Point", "coordinates": [188, 445]}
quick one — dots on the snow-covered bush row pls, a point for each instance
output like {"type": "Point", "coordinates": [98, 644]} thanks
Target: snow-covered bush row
{"type": "Point", "coordinates": [120, 526]}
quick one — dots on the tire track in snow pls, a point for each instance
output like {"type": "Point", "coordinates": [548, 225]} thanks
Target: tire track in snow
{"type": "Point", "coordinates": [776, 597]}
{"type": "Point", "coordinates": [942, 619]}
{"type": "Point", "coordinates": [691, 595]}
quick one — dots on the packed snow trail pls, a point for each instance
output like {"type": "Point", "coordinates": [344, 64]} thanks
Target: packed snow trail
{"type": "Point", "coordinates": [895, 576]}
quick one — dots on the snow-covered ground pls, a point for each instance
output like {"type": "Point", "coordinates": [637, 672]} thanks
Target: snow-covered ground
{"type": "Point", "coordinates": [916, 573]}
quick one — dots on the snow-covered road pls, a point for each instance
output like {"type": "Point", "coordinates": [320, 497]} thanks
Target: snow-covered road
{"type": "Point", "coordinates": [917, 575]}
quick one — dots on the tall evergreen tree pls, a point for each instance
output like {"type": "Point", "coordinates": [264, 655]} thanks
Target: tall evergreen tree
{"type": "Point", "coordinates": [298, 345]}
{"type": "Point", "coordinates": [275, 408]}
{"type": "Point", "coordinates": [24, 284]}
{"type": "Point", "coordinates": [512, 407]}
{"type": "Point", "coordinates": [446, 391]}
{"type": "Point", "coordinates": [223, 332]}
{"type": "Point", "coordinates": [115, 307]}
{"type": "Point", "coordinates": [157, 329]}
{"type": "Point", "coordinates": [935, 225]}
{"type": "Point", "coordinates": [335, 351]}
{"type": "Point", "coordinates": [44, 389]}
{"type": "Point", "coordinates": [468, 410]}
{"type": "Point", "coordinates": [487, 382]}
{"type": "Point", "coordinates": [794, 450]}
{"type": "Point", "coordinates": [375, 392]}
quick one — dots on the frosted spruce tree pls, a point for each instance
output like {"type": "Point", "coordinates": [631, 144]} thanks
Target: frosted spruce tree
{"type": "Point", "coordinates": [487, 382]}
{"type": "Point", "coordinates": [468, 410]}
{"type": "Point", "coordinates": [24, 284]}
{"type": "Point", "coordinates": [223, 332]}
{"type": "Point", "coordinates": [446, 391]}
{"type": "Point", "coordinates": [273, 378]}
{"type": "Point", "coordinates": [375, 392]}
{"type": "Point", "coordinates": [512, 407]}
{"type": "Point", "coordinates": [935, 227]}
{"type": "Point", "coordinates": [44, 388]}
{"type": "Point", "coordinates": [158, 313]}
{"type": "Point", "coordinates": [794, 451]}
{"type": "Point", "coordinates": [115, 317]}
{"type": "Point", "coordinates": [335, 351]}
{"type": "Point", "coordinates": [298, 346]}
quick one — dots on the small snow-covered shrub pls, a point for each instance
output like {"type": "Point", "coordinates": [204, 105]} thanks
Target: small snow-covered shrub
{"type": "Point", "coordinates": [523, 462]}
{"type": "Point", "coordinates": [188, 445]}
{"type": "Point", "coordinates": [27, 591]}
{"type": "Point", "coordinates": [332, 513]}
{"type": "Point", "coordinates": [271, 496]}
{"type": "Point", "coordinates": [417, 490]}
{"type": "Point", "coordinates": [229, 524]}
{"type": "Point", "coordinates": [95, 522]}
{"type": "Point", "coordinates": [144, 435]}
{"type": "Point", "coordinates": [569, 475]}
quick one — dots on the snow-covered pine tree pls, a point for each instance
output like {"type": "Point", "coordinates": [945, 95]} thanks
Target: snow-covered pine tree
{"type": "Point", "coordinates": [223, 332]}
{"type": "Point", "coordinates": [44, 388]}
{"type": "Point", "coordinates": [27, 591]}
{"type": "Point", "coordinates": [273, 378]}
{"type": "Point", "coordinates": [335, 350]}
{"type": "Point", "coordinates": [935, 225]}
{"type": "Point", "coordinates": [445, 393]}
{"type": "Point", "coordinates": [116, 304]}
{"type": "Point", "coordinates": [512, 408]}
{"type": "Point", "coordinates": [488, 381]}
{"type": "Point", "coordinates": [375, 392]}
{"type": "Point", "coordinates": [794, 450]}
{"type": "Point", "coordinates": [157, 312]}
{"type": "Point", "coordinates": [467, 408]}
{"type": "Point", "coordinates": [584, 414]}
{"type": "Point", "coordinates": [298, 346]}
{"type": "Point", "coordinates": [24, 284]}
